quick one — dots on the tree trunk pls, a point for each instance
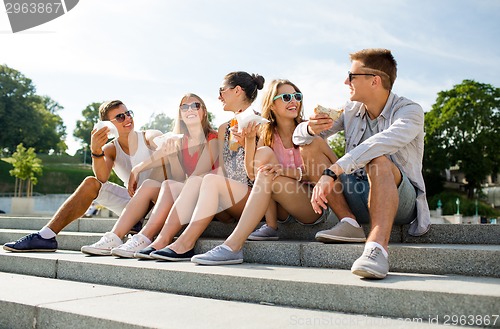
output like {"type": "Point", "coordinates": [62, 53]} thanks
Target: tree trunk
{"type": "Point", "coordinates": [470, 189]}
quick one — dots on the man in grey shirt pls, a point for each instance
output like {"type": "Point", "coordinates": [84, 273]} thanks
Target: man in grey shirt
{"type": "Point", "coordinates": [379, 179]}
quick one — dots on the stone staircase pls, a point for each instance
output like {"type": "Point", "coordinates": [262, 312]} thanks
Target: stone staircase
{"type": "Point", "coordinates": [450, 276]}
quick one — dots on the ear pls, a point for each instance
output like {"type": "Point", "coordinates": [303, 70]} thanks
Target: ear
{"type": "Point", "coordinates": [238, 89]}
{"type": "Point", "coordinates": [377, 81]}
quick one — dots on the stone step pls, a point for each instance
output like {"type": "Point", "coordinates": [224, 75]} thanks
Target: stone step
{"type": "Point", "coordinates": [69, 304]}
{"type": "Point", "coordinates": [438, 234]}
{"type": "Point", "coordinates": [474, 260]}
{"type": "Point", "coordinates": [400, 295]}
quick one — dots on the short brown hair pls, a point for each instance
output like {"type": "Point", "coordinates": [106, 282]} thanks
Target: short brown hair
{"type": "Point", "coordinates": [106, 107]}
{"type": "Point", "coordinates": [381, 60]}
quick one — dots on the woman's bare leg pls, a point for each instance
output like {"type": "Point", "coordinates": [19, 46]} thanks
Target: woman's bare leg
{"type": "Point", "coordinates": [180, 213]}
{"type": "Point", "coordinates": [169, 192]}
{"type": "Point", "coordinates": [137, 208]}
{"type": "Point", "coordinates": [214, 194]}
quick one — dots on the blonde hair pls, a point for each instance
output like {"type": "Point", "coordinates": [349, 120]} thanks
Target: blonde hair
{"type": "Point", "coordinates": [267, 130]}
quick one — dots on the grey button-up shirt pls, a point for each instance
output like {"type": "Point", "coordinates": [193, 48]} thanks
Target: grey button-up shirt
{"type": "Point", "coordinates": [401, 138]}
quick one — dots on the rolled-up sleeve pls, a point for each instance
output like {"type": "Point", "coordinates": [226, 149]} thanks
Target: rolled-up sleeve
{"type": "Point", "coordinates": [301, 136]}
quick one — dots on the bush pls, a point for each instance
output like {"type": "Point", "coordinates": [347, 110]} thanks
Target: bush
{"type": "Point", "coordinates": [467, 206]}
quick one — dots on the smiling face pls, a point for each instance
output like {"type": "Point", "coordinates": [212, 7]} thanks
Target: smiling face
{"type": "Point", "coordinates": [227, 96]}
{"type": "Point", "coordinates": [191, 111]}
{"type": "Point", "coordinates": [123, 127]}
{"type": "Point", "coordinates": [360, 84]}
{"type": "Point", "coordinates": [284, 109]}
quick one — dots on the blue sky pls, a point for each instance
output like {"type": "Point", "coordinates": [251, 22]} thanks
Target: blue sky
{"type": "Point", "coordinates": [149, 53]}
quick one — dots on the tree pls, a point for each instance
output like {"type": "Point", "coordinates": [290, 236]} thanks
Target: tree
{"type": "Point", "coordinates": [26, 117]}
{"type": "Point", "coordinates": [462, 129]}
{"type": "Point", "coordinates": [84, 127]}
{"type": "Point", "coordinates": [26, 167]}
{"type": "Point", "coordinates": [160, 122]}
{"type": "Point", "coordinates": [337, 143]}
{"type": "Point", "coordinates": [165, 124]}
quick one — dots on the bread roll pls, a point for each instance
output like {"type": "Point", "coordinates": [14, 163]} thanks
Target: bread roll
{"type": "Point", "coordinates": [334, 114]}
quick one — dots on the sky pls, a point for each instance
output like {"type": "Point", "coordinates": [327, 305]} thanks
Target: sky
{"type": "Point", "coordinates": [149, 53]}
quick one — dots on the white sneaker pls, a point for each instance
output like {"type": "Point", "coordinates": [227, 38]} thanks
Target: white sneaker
{"type": "Point", "coordinates": [103, 246]}
{"type": "Point", "coordinates": [135, 243]}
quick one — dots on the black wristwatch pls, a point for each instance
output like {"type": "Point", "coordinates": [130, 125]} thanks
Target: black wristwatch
{"type": "Point", "coordinates": [329, 172]}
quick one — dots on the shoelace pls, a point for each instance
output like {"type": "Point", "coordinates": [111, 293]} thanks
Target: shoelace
{"type": "Point", "coordinates": [133, 243]}
{"type": "Point", "coordinates": [372, 253]}
{"type": "Point", "coordinates": [103, 241]}
{"type": "Point", "coordinates": [215, 251]}
{"type": "Point", "coordinates": [27, 237]}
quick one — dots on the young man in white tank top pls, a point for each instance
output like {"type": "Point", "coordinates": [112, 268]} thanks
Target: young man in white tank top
{"type": "Point", "coordinates": [120, 155]}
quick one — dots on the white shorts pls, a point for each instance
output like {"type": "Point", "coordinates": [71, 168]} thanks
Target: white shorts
{"type": "Point", "coordinates": [114, 197]}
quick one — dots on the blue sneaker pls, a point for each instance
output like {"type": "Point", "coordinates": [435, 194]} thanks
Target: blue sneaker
{"type": "Point", "coordinates": [264, 233]}
{"type": "Point", "coordinates": [31, 242]}
{"type": "Point", "coordinates": [219, 256]}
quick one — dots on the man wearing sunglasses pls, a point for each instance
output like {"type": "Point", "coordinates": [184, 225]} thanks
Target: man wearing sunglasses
{"type": "Point", "coordinates": [379, 179]}
{"type": "Point", "coordinates": [120, 155]}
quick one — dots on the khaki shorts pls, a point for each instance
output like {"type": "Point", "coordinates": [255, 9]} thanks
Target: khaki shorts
{"type": "Point", "coordinates": [114, 197]}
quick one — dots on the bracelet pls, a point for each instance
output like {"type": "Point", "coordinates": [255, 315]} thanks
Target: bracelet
{"type": "Point", "coordinates": [330, 173]}
{"type": "Point", "coordinates": [300, 174]}
{"type": "Point", "coordinates": [308, 131]}
{"type": "Point", "coordinates": [97, 155]}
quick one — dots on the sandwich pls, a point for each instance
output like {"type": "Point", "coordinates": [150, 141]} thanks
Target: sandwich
{"type": "Point", "coordinates": [334, 114]}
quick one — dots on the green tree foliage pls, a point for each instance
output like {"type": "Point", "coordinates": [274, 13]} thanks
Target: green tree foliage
{"type": "Point", "coordinates": [26, 117]}
{"type": "Point", "coordinates": [160, 122]}
{"type": "Point", "coordinates": [165, 123]}
{"type": "Point", "coordinates": [84, 127]}
{"type": "Point", "coordinates": [462, 129]}
{"type": "Point", "coordinates": [26, 167]}
{"type": "Point", "coordinates": [337, 143]}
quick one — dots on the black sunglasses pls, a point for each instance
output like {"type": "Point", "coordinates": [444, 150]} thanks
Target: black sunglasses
{"type": "Point", "coordinates": [354, 74]}
{"type": "Point", "coordinates": [121, 117]}
{"type": "Point", "coordinates": [195, 106]}
{"type": "Point", "coordinates": [223, 89]}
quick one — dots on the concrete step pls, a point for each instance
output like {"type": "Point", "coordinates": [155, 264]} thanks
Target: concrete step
{"type": "Point", "coordinates": [400, 295]}
{"type": "Point", "coordinates": [474, 260]}
{"type": "Point", "coordinates": [34, 302]}
{"type": "Point", "coordinates": [439, 233]}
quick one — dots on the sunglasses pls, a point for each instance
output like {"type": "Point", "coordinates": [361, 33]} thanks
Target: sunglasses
{"type": "Point", "coordinates": [121, 117]}
{"type": "Point", "coordinates": [288, 97]}
{"type": "Point", "coordinates": [223, 89]}
{"type": "Point", "coordinates": [355, 74]}
{"type": "Point", "coordinates": [185, 107]}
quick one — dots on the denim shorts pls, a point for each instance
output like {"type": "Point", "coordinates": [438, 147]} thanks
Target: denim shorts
{"type": "Point", "coordinates": [356, 190]}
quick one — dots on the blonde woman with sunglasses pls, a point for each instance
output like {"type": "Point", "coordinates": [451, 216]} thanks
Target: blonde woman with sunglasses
{"type": "Point", "coordinates": [185, 159]}
{"type": "Point", "coordinates": [279, 176]}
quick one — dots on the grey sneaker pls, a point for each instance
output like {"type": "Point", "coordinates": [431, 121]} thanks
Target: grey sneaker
{"type": "Point", "coordinates": [264, 233]}
{"type": "Point", "coordinates": [342, 232]}
{"type": "Point", "coordinates": [219, 256]}
{"type": "Point", "coordinates": [371, 265]}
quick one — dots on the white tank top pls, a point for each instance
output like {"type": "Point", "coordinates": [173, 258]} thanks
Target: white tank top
{"type": "Point", "coordinates": [124, 163]}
